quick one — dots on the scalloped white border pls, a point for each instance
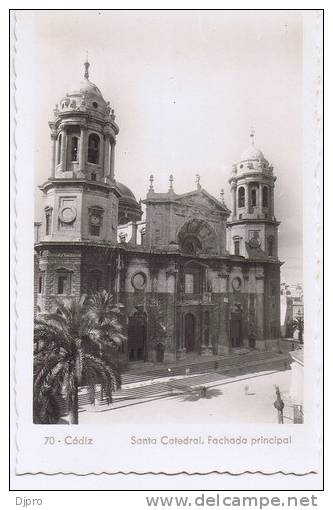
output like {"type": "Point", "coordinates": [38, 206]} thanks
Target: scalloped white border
{"type": "Point", "coordinates": [312, 218]}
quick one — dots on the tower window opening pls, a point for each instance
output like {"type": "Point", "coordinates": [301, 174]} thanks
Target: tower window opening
{"type": "Point", "coordinates": [63, 284]}
{"type": "Point", "coordinates": [265, 196]}
{"type": "Point", "coordinates": [74, 148]}
{"type": "Point", "coordinates": [93, 149]}
{"type": "Point", "coordinates": [93, 176]}
{"type": "Point", "coordinates": [237, 247]}
{"type": "Point", "coordinates": [241, 197]}
{"type": "Point", "coordinates": [142, 235]}
{"type": "Point", "coordinates": [254, 197]}
{"type": "Point", "coordinates": [59, 149]}
{"type": "Point", "coordinates": [270, 246]}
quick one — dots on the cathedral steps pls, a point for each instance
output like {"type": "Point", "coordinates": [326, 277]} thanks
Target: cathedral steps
{"type": "Point", "coordinates": [188, 385]}
{"type": "Point", "coordinates": [146, 372]}
{"type": "Point", "coordinates": [233, 366]}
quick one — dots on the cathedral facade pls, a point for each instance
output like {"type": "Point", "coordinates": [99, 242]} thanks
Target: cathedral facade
{"type": "Point", "coordinates": [194, 277]}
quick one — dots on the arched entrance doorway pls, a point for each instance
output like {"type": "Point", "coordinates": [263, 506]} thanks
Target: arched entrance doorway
{"type": "Point", "coordinates": [189, 332]}
{"type": "Point", "coordinates": [137, 336]}
{"type": "Point", "coordinates": [236, 329]}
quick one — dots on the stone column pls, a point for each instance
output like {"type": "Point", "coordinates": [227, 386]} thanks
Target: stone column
{"type": "Point", "coordinates": [64, 149]}
{"type": "Point", "coordinates": [134, 232]}
{"type": "Point", "coordinates": [260, 198]}
{"type": "Point", "coordinates": [248, 197]}
{"type": "Point", "coordinates": [172, 225]}
{"type": "Point", "coordinates": [271, 192]}
{"type": "Point", "coordinates": [106, 167]}
{"type": "Point", "coordinates": [53, 153]}
{"type": "Point", "coordinates": [180, 353]}
{"type": "Point", "coordinates": [260, 310]}
{"type": "Point", "coordinates": [113, 146]}
{"type": "Point", "coordinates": [82, 155]}
{"type": "Point", "coordinates": [234, 199]}
{"type": "Point", "coordinates": [183, 333]}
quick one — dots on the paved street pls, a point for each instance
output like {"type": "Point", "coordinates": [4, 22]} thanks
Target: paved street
{"type": "Point", "coordinates": [241, 399]}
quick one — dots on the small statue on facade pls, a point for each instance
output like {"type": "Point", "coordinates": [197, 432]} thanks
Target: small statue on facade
{"type": "Point", "coordinates": [108, 108]}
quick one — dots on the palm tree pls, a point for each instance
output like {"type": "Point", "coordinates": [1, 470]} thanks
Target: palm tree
{"type": "Point", "coordinates": [75, 346]}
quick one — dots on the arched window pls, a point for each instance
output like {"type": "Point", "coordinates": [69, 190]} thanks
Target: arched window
{"type": "Point", "coordinates": [93, 149]}
{"type": "Point", "coordinates": [265, 196]}
{"type": "Point", "coordinates": [236, 246]}
{"type": "Point", "coordinates": [254, 197]}
{"type": "Point", "coordinates": [270, 246]}
{"type": "Point", "coordinates": [63, 282]}
{"type": "Point", "coordinates": [59, 149]}
{"type": "Point", "coordinates": [191, 245]}
{"type": "Point", "coordinates": [74, 148]}
{"type": "Point", "coordinates": [241, 197]}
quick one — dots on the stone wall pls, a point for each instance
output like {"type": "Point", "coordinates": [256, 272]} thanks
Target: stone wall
{"type": "Point", "coordinates": [52, 262]}
{"type": "Point", "coordinates": [152, 283]}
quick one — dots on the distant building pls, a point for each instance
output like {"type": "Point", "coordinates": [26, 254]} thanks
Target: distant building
{"type": "Point", "coordinates": [191, 279]}
{"type": "Point", "coordinates": [291, 307]}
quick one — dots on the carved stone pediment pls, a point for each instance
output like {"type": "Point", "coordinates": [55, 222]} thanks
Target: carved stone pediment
{"type": "Point", "coordinates": [201, 203]}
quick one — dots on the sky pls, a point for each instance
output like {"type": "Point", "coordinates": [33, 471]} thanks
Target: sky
{"type": "Point", "coordinates": [186, 87]}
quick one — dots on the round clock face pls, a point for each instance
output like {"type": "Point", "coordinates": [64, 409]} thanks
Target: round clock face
{"type": "Point", "coordinates": [95, 219]}
{"type": "Point", "coordinates": [67, 214]}
{"type": "Point", "coordinates": [236, 283]}
{"type": "Point", "coordinates": [139, 281]}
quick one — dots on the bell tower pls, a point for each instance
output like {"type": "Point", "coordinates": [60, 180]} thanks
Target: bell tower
{"type": "Point", "coordinates": [253, 228]}
{"type": "Point", "coordinates": [80, 196]}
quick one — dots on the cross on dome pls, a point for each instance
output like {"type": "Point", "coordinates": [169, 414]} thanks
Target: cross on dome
{"type": "Point", "coordinates": [86, 67]}
{"type": "Point", "coordinates": [252, 153]}
{"type": "Point", "coordinates": [252, 133]}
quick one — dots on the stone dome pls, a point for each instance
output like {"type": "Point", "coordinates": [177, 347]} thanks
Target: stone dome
{"type": "Point", "coordinates": [129, 208]}
{"type": "Point", "coordinates": [86, 87]}
{"type": "Point", "coordinates": [252, 154]}
{"type": "Point", "coordinates": [85, 96]}
{"type": "Point", "coordinates": [252, 160]}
